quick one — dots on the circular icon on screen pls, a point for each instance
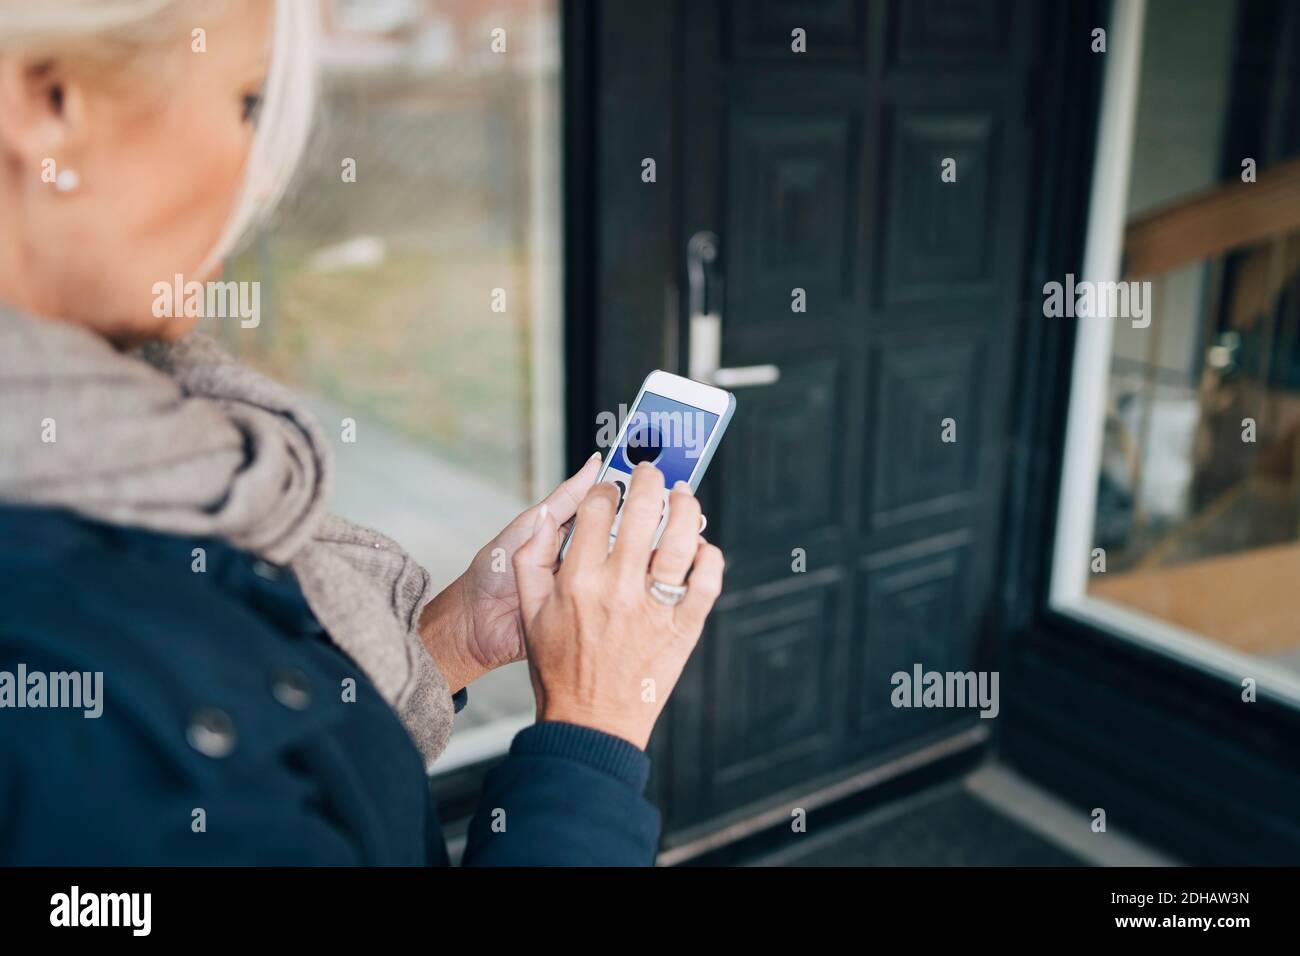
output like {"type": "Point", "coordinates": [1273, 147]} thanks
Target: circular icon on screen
{"type": "Point", "coordinates": [644, 443]}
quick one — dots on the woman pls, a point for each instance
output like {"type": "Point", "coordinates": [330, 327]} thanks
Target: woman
{"type": "Point", "coordinates": [275, 680]}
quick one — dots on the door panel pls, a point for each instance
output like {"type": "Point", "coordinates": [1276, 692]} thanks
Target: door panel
{"type": "Point", "coordinates": [913, 609]}
{"type": "Point", "coordinates": [859, 542]}
{"type": "Point", "coordinates": [952, 32]}
{"type": "Point", "coordinates": [938, 245]}
{"type": "Point", "coordinates": [780, 458]}
{"type": "Point", "coordinates": [918, 384]}
{"type": "Point", "coordinates": [761, 30]}
{"type": "Point", "coordinates": [791, 215]}
{"type": "Point", "coordinates": [777, 651]}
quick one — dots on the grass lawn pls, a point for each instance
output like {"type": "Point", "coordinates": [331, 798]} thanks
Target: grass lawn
{"type": "Point", "coordinates": [411, 342]}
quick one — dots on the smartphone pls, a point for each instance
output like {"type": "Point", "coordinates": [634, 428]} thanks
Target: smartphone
{"type": "Point", "coordinates": [676, 424]}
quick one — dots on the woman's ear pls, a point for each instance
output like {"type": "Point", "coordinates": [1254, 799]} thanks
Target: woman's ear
{"type": "Point", "coordinates": [42, 116]}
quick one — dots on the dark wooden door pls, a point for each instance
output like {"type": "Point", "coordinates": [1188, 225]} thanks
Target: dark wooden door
{"type": "Point", "coordinates": [821, 174]}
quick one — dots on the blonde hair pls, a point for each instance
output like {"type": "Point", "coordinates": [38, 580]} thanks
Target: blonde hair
{"type": "Point", "coordinates": [102, 34]}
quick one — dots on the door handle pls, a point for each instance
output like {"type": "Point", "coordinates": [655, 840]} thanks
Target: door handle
{"type": "Point", "coordinates": [705, 329]}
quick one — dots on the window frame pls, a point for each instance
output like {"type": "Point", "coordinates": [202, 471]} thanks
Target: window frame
{"type": "Point", "coordinates": [1081, 457]}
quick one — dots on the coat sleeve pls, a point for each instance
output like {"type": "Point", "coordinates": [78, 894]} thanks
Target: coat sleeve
{"type": "Point", "coordinates": [565, 796]}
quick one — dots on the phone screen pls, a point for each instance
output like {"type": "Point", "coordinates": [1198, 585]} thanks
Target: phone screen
{"type": "Point", "coordinates": [669, 434]}
{"type": "Point", "coordinates": [672, 435]}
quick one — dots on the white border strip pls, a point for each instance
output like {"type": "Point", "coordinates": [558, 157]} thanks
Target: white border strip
{"type": "Point", "coordinates": [1076, 509]}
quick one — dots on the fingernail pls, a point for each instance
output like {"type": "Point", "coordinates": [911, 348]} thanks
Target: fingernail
{"type": "Point", "coordinates": [541, 517]}
{"type": "Point", "coordinates": [682, 487]}
{"type": "Point", "coordinates": [595, 456]}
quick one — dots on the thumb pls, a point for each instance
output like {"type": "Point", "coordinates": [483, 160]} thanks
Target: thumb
{"type": "Point", "coordinates": [535, 564]}
{"type": "Point", "coordinates": [564, 500]}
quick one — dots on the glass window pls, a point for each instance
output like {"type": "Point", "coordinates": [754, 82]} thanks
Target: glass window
{"type": "Point", "coordinates": [411, 283]}
{"type": "Point", "coordinates": [1180, 508]}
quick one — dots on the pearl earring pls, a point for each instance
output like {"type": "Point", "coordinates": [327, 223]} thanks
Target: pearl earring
{"type": "Point", "coordinates": [67, 180]}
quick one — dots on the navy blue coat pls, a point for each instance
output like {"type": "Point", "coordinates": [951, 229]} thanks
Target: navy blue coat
{"type": "Point", "coordinates": [221, 694]}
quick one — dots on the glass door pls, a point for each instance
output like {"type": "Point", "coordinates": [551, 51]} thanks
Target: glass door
{"type": "Point", "coordinates": [411, 286]}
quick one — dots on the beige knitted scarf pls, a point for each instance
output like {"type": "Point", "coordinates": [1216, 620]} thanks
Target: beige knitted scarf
{"type": "Point", "coordinates": [183, 439]}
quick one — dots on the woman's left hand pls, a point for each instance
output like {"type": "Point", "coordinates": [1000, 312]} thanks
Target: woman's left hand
{"type": "Point", "coordinates": [474, 625]}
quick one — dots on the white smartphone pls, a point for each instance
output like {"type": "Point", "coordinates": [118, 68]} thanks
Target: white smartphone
{"type": "Point", "coordinates": [676, 424]}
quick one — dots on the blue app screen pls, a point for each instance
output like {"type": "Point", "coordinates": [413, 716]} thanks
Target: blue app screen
{"type": "Point", "coordinates": [669, 434]}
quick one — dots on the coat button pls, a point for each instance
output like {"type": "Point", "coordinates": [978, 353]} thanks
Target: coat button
{"type": "Point", "coordinates": [291, 689]}
{"type": "Point", "coordinates": [266, 570]}
{"type": "Point", "coordinates": [211, 732]}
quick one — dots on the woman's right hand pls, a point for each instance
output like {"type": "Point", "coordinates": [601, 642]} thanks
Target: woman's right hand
{"type": "Point", "coordinates": [603, 653]}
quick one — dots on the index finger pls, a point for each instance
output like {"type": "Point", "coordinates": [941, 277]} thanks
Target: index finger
{"type": "Point", "coordinates": [643, 509]}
